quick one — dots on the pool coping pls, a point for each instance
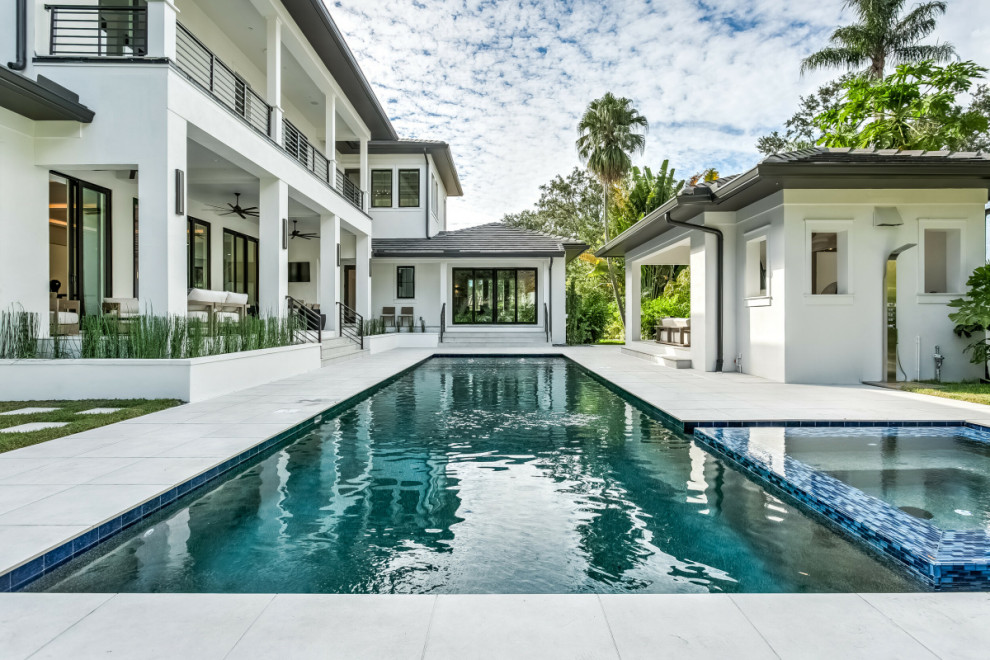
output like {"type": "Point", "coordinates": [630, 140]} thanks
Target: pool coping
{"type": "Point", "coordinates": [24, 573]}
{"type": "Point", "coordinates": [944, 559]}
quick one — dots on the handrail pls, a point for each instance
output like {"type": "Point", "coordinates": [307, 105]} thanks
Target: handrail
{"type": "Point", "coordinates": [97, 31]}
{"type": "Point", "coordinates": [297, 145]}
{"type": "Point", "coordinates": [546, 321]}
{"type": "Point", "coordinates": [350, 324]}
{"type": "Point", "coordinates": [312, 320]}
{"type": "Point", "coordinates": [443, 320]}
{"type": "Point", "coordinates": [207, 70]}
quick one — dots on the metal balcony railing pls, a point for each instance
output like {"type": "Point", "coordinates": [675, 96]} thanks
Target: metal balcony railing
{"type": "Point", "coordinates": [92, 31]}
{"type": "Point", "coordinates": [297, 145]}
{"type": "Point", "coordinates": [206, 70]}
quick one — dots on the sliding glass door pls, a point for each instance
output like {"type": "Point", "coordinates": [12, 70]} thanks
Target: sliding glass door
{"type": "Point", "coordinates": [79, 252]}
{"type": "Point", "coordinates": [504, 296]}
{"type": "Point", "coordinates": [240, 265]}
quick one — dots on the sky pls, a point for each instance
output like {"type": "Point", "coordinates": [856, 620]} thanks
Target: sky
{"type": "Point", "coordinates": [504, 82]}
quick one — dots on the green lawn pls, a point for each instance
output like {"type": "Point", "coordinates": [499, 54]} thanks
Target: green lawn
{"type": "Point", "coordinates": [611, 342]}
{"type": "Point", "coordinates": [67, 413]}
{"type": "Point", "coordinates": [972, 392]}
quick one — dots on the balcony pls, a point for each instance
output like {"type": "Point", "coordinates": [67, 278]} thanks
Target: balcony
{"type": "Point", "coordinates": [90, 31]}
{"type": "Point", "coordinates": [81, 31]}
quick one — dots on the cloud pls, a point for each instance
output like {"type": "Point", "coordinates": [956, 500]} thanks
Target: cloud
{"type": "Point", "coordinates": [505, 81]}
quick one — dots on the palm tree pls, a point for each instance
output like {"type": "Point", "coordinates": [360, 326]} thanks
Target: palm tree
{"type": "Point", "coordinates": [882, 34]}
{"type": "Point", "coordinates": [609, 131]}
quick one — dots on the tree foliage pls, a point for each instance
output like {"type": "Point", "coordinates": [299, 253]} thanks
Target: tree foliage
{"type": "Point", "coordinates": [882, 33]}
{"type": "Point", "coordinates": [801, 131]}
{"type": "Point", "coordinates": [973, 314]}
{"type": "Point", "coordinates": [569, 206]}
{"type": "Point", "coordinates": [916, 107]}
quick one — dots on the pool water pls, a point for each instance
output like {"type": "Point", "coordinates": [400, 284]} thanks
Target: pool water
{"type": "Point", "coordinates": [938, 474]}
{"type": "Point", "coordinates": [484, 475]}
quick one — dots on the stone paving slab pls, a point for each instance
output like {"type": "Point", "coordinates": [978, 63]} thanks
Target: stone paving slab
{"type": "Point", "coordinates": [513, 627]}
{"type": "Point", "coordinates": [28, 411]}
{"type": "Point", "coordinates": [33, 426]}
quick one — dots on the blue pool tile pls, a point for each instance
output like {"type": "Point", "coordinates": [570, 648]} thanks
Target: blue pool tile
{"type": "Point", "coordinates": [58, 556]}
{"type": "Point", "coordinates": [85, 541]}
{"type": "Point", "coordinates": [109, 528]}
{"type": "Point", "coordinates": [150, 507]}
{"type": "Point", "coordinates": [27, 572]}
{"type": "Point", "coordinates": [130, 517]}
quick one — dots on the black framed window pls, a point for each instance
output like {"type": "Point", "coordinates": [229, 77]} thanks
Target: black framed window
{"type": "Point", "coordinates": [240, 264]}
{"type": "Point", "coordinates": [408, 188]}
{"type": "Point", "coordinates": [381, 189]}
{"type": "Point", "coordinates": [198, 259]}
{"type": "Point", "coordinates": [505, 296]}
{"type": "Point", "coordinates": [405, 282]}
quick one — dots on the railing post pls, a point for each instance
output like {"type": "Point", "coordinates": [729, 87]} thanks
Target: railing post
{"type": "Point", "coordinates": [161, 28]}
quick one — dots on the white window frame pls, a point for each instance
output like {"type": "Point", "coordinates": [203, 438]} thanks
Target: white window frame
{"type": "Point", "coordinates": [845, 269]}
{"type": "Point", "coordinates": [958, 278]}
{"type": "Point", "coordinates": [752, 239]}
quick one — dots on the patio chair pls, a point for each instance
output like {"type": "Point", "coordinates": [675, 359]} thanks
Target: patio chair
{"type": "Point", "coordinates": [124, 309]}
{"type": "Point", "coordinates": [388, 316]}
{"type": "Point", "coordinates": [405, 316]}
{"type": "Point", "coordinates": [64, 316]}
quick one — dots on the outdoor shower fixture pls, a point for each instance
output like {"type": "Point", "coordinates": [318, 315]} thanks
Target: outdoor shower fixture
{"type": "Point", "coordinates": [939, 359]}
{"type": "Point", "coordinates": [891, 359]}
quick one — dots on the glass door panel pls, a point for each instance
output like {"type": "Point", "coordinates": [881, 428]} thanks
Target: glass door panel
{"type": "Point", "coordinates": [526, 296]}
{"type": "Point", "coordinates": [463, 296]}
{"type": "Point", "coordinates": [228, 262]}
{"type": "Point", "coordinates": [91, 219]}
{"type": "Point", "coordinates": [484, 296]}
{"type": "Point", "coordinates": [252, 272]}
{"type": "Point", "coordinates": [198, 240]}
{"type": "Point", "coordinates": [239, 278]}
{"type": "Point", "coordinates": [506, 281]}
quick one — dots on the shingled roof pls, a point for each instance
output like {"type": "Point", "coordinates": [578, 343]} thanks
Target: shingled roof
{"type": "Point", "coordinates": [494, 239]}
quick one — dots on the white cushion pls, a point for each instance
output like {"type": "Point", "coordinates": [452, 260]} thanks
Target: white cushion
{"type": "Point", "coordinates": [228, 316]}
{"type": "Point", "coordinates": [65, 318]}
{"type": "Point", "coordinates": [128, 306]}
{"type": "Point", "coordinates": [237, 298]}
{"type": "Point", "coordinates": [198, 316]}
{"type": "Point", "coordinates": [206, 296]}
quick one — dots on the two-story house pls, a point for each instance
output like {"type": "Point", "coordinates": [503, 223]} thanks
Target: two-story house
{"type": "Point", "coordinates": [150, 147]}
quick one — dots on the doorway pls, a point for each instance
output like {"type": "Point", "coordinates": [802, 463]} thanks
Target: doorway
{"type": "Point", "coordinates": [350, 291]}
{"type": "Point", "coordinates": [79, 242]}
{"type": "Point", "coordinates": [486, 296]}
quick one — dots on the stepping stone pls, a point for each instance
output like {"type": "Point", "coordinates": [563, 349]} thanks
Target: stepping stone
{"type": "Point", "coordinates": [33, 426]}
{"type": "Point", "coordinates": [98, 411]}
{"type": "Point", "coordinates": [28, 411]}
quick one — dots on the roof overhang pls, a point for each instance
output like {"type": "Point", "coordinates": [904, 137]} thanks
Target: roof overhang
{"type": "Point", "coordinates": [439, 151]}
{"type": "Point", "coordinates": [42, 100]}
{"type": "Point", "coordinates": [767, 178]}
{"type": "Point", "coordinates": [324, 36]}
{"type": "Point", "coordinates": [465, 254]}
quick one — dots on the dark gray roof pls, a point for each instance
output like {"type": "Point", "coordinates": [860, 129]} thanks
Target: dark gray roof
{"type": "Point", "coordinates": [492, 240]}
{"type": "Point", "coordinates": [41, 100]}
{"type": "Point", "coordinates": [812, 168]}
{"type": "Point", "coordinates": [440, 151]}
{"type": "Point", "coordinates": [314, 20]}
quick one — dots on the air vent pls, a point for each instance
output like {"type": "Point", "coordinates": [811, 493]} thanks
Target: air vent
{"type": "Point", "coordinates": [887, 216]}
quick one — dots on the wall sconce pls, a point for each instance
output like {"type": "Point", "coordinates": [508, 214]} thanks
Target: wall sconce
{"type": "Point", "coordinates": [285, 234]}
{"type": "Point", "coordinates": [180, 192]}
{"type": "Point", "coordinates": [338, 255]}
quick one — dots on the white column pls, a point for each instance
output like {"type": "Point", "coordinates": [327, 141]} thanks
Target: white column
{"type": "Point", "coordinates": [273, 259]}
{"type": "Point", "coordinates": [161, 28]}
{"type": "Point", "coordinates": [634, 302]}
{"type": "Point", "coordinates": [331, 153]}
{"type": "Point", "coordinates": [162, 254]}
{"type": "Point", "coordinates": [362, 275]}
{"type": "Point", "coordinates": [445, 292]}
{"type": "Point", "coordinates": [329, 268]}
{"type": "Point", "coordinates": [273, 76]}
{"type": "Point", "coordinates": [702, 302]}
{"type": "Point", "coordinates": [558, 285]}
{"type": "Point", "coordinates": [364, 173]}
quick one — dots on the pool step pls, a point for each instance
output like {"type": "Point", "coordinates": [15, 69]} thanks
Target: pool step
{"type": "Point", "coordinates": [661, 357]}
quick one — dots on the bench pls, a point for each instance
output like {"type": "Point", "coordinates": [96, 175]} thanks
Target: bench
{"type": "Point", "coordinates": [674, 332]}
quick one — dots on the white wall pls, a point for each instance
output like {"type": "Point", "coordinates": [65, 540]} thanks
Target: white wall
{"type": "Point", "coordinates": [427, 302]}
{"type": "Point", "coordinates": [399, 222]}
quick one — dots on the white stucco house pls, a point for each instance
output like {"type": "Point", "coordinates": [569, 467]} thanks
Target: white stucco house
{"type": "Point", "coordinates": [149, 147]}
{"type": "Point", "coordinates": [820, 265]}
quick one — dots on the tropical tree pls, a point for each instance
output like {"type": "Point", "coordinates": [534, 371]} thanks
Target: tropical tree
{"type": "Point", "coordinates": [801, 131]}
{"type": "Point", "coordinates": [568, 206]}
{"type": "Point", "coordinates": [916, 107]}
{"type": "Point", "coordinates": [609, 131]}
{"type": "Point", "coordinates": [880, 36]}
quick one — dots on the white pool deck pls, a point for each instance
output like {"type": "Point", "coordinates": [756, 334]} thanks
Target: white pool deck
{"type": "Point", "coordinates": [54, 491]}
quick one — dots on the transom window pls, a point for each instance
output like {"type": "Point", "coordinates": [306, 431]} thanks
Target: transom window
{"type": "Point", "coordinates": [408, 188]}
{"type": "Point", "coordinates": [405, 282]}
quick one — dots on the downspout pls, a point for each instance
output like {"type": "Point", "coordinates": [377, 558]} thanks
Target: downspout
{"type": "Point", "coordinates": [720, 288]}
{"type": "Point", "coordinates": [550, 297]}
{"type": "Point", "coordinates": [21, 63]}
{"type": "Point", "coordinates": [426, 187]}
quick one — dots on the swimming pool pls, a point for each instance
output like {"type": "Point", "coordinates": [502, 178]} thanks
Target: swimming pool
{"type": "Point", "coordinates": [483, 475]}
{"type": "Point", "coordinates": [919, 494]}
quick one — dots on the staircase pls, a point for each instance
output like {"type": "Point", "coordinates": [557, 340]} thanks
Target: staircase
{"type": "Point", "coordinates": [490, 339]}
{"type": "Point", "coordinates": [339, 348]}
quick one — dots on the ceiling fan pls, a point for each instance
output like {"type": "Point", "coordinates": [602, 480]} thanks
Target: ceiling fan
{"type": "Point", "coordinates": [301, 234]}
{"type": "Point", "coordinates": [235, 208]}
